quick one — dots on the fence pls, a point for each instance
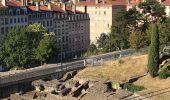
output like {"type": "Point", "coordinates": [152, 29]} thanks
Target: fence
{"type": "Point", "coordinates": [54, 68]}
{"type": "Point", "coordinates": [98, 60]}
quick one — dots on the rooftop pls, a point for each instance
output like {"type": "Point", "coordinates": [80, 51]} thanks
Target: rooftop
{"type": "Point", "coordinates": [102, 3]}
{"type": "Point", "coordinates": [53, 7]}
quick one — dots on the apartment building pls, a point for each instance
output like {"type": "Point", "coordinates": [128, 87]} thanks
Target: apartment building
{"type": "Point", "coordinates": [101, 13]}
{"type": "Point", "coordinates": [70, 25]}
{"type": "Point", "coordinates": [11, 16]}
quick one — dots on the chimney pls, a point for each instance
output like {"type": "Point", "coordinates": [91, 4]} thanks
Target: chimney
{"type": "Point", "coordinates": [64, 6]}
{"type": "Point", "coordinates": [26, 2]}
{"type": "Point", "coordinates": [3, 2]}
{"type": "Point", "coordinates": [31, 1]}
{"type": "Point", "coordinates": [49, 6]}
{"type": "Point", "coordinates": [85, 9]}
{"type": "Point", "coordinates": [160, 1]}
{"type": "Point", "coordinates": [103, 1]}
{"type": "Point", "coordinates": [44, 1]}
{"type": "Point", "coordinates": [41, 3]}
{"type": "Point", "coordinates": [37, 6]}
{"type": "Point", "coordinates": [74, 8]}
{"type": "Point", "coordinates": [61, 1]}
{"type": "Point", "coordinates": [128, 2]}
{"type": "Point", "coordinates": [23, 2]}
{"type": "Point", "coordinates": [96, 1]}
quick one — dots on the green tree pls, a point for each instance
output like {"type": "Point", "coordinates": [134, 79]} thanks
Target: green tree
{"type": "Point", "coordinates": [152, 11]}
{"type": "Point", "coordinates": [45, 48]}
{"type": "Point", "coordinates": [153, 57]}
{"type": "Point", "coordinates": [92, 50]}
{"type": "Point", "coordinates": [133, 18]}
{"type": "Point", "coordinates": [164, 33]}
{"type": "Point", "coordinates": [104, 42]}
{"type": "Point", "coordinates": [21, 45]}
{"type": "Point", "coordinates": [119, 32]}
{"type": "Point", "coordinates": [138, 40]}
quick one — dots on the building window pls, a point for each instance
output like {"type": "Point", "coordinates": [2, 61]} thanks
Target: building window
{"type": "Point", "coordinates": [18, 20]}
{"type": "Point", "coordinates": [47, 23]}
{"type": "Point", "coordinates": [11, 20]}
{"type": "Point", "coordinates": [104, 12]}
{"type": "Point", "coordinates": [108, 25]}
{"type": "Point", "coordinates": [14, 20]}
{"type": "Point", "coordinates": [6, 20]}
{"type": "Point", "coordinates": [25, 19]}
{"type": "Point", "coordinates": [2, 30]}
{"type": "Point", "coordinates": [22, 20]}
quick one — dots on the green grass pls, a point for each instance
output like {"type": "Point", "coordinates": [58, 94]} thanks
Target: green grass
{"type": "Point", "coordinates": [132, 88]}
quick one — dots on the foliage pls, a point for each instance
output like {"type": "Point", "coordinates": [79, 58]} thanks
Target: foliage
{"type": "Point", "coordinates": [164, 74]}
{"type": "Point", "coordinates": [164, 33]}
{"type": "Point", "coordinates": [104, 42]}
{"type": "Point", "coordinates": [151, 11]}
{"type": "Point", "coordinates": [138, 40]}
{"type": "Point", "coordinates": [132, 88]}
{"type": "Point", "coordinates": [121, 61]}
{"type": "Point", "coordinates": [153, 57]}
{"type": "Point", "coordinates": [133, 17]}
{"type": "Point", "coordinates": [21, 46]}
{"type": "Point", "coordinates": [92, 50]}
{"type": "Point", "coordinates": [119, 31]}
{"type": "Point", "coordinates": [45, 48]}
{"type": "Point", "coordinates": [164, 71]}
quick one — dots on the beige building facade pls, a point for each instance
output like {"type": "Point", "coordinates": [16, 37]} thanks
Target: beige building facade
{"type": "Point", "coordinates": [101, 15]}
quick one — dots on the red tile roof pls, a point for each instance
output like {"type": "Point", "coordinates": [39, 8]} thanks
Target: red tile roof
{"type": "Point", "coordinates": [166, 2]}
{"type": "Point", "coordinates": [54, 8]}
{"type": "Point", "coordinates": [69, 9]}
{"type": "Point", "coordinates": [13, 3]}
{"type": "Point", "coordinates": [45, 8]}
{"type": "Point", "coordinates": [106, 2]}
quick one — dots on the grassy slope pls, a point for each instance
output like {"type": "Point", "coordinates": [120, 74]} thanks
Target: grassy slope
{"type": "Point", "coordinates": [113, 70]}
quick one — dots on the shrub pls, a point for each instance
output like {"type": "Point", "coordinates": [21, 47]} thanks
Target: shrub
{"type": "Point", "coordinates": [132, 88]}
{"type": "Point", "coordinates": [163, 74]}
{"type": "Point", "coordinates": [121, 61]}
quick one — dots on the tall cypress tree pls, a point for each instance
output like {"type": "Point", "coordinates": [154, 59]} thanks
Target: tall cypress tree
{"type": "Point", "coordinates": [153, 57]}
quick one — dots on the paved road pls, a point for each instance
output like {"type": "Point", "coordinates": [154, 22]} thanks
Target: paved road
{"type": "Point", "coordinates": [14, 76]}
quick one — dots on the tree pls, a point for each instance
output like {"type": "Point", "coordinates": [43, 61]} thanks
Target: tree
{"type": "Point", "coordinates": [92, 50]}
{"type": "Point", "coordinates": [151, 11]}
{"type": "Point", "coordinates": [133, 18]}
{"type": "Point", "coordinates": [153, 57]}
{"type": "Point", "coordinates": [21, 46]}
{"type": "Point", "coordinates": [164, 33]}
{"type": "Point", "coordinates": [45, 48]}
{"type": "Point", "coordinates": [104, 42]}
{"type": "Point", "coordinates": [119, 31]}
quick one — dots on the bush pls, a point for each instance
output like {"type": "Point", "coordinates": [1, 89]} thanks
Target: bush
{"type": "Point", "coordinates": [121, 61]}
{"type": "Point", "coordinates": [163, 74]}
{"type": "Point", "coordinates": [132, 88]}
